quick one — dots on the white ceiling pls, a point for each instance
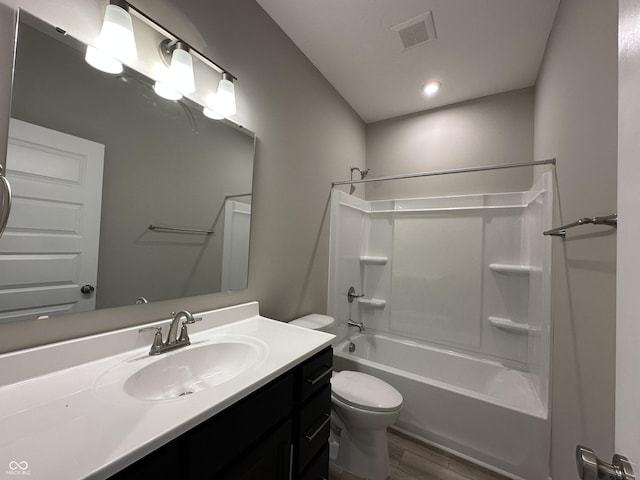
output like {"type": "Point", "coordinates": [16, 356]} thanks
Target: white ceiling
{"type": "Point", "coordinates": [482, 47]}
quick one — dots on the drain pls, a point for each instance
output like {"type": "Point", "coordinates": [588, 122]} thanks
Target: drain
{"type": "Point", "coordinates": [352, 347]}
{"type": "Point", "coordinates": [188, 392]}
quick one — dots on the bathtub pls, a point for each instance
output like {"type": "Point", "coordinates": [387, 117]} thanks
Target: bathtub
{"type": "Point", "coordinates": [476, 408]}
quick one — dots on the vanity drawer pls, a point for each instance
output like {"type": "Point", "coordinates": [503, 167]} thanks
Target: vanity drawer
{"type": "Point", "coordinates": [316, 373]}
{"type": "Point", "coordinates": [314, 427]}
{"type": "Point", "coordinates": [318, 469]}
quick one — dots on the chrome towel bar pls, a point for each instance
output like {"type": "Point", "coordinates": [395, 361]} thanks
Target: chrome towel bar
{"type": "Point", "coordinates": [609, 220]}
{"type": "Point", "coordinates": [158, 228]}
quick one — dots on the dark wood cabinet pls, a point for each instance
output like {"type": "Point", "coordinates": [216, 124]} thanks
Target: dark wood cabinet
{"type": "Point", "coordinates": [318, 468]}
{"type": "Point", "coordinates": [312, 417]}
{"type": "Point", "coordinates": [276, 433]}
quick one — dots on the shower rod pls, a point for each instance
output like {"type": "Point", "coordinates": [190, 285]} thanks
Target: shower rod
{"type": "Point", "coordinates": [550, 161]}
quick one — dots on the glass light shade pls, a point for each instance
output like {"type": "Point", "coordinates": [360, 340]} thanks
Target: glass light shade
{"type": "Point", "coordinates": [225, 100]}
{"type": "Point", "coordinates": [102, 61]}
{"type": "Point", "coordinates": [181, 71]}
{"type": "Point", "coordinates": [116, 37]}
{"type": "Point", "coordinates": [166, 91]}
{"type": "Point", "coordinates": [209, 113]}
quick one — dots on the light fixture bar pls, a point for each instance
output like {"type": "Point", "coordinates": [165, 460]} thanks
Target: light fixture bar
{"type": "Point", "coordinates": [163, 31]}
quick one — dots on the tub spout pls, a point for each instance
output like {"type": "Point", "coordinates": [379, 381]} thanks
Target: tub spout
{"type": "Point", "coordinates": [360, 325]}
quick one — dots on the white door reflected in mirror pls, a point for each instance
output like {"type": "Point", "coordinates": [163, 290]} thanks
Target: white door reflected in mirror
{"type": "Point", "coordinates": [50, 247]}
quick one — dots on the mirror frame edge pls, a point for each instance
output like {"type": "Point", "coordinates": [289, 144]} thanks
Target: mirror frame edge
{"type": "Point", "coordinates": [7, 57]}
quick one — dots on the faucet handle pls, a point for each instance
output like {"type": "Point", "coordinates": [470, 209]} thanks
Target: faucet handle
{"type": "Point", "coordinates": [157, 339]}
{"type": "Point", "coordinates": [351, 294]}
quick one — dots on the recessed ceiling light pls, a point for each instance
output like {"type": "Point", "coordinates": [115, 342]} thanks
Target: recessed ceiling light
{"type": "Point", "coordinates": [431, 87]}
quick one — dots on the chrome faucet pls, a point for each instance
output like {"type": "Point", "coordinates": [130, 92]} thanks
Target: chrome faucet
{"type": "Point", "coordinates": [173, 341]}
{"type": "Point", "coordinates": [172, 336]}
{"type": "Point", "coordinates": [360, 325]}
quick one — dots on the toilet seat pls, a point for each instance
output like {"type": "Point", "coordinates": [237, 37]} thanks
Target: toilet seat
{"type": "Point", "coordinates": [366, 392]}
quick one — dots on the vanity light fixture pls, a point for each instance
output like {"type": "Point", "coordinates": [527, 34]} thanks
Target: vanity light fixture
{"type": "Point", "coordinates": [116, 42]}
{"type": "Point", "coordinates": [431, 88]}
{"type": "Point", "coordinates": [223, 103]}
{"type": "Point", "coordinates": [181, 69]}
{"type": "Point", "coordinates": [179, 78]}
{"type": "Point", "coordinates": [226, 96]}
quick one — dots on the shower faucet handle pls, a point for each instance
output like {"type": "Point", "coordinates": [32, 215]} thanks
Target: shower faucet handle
{"type": "Point", "coordinates": [351, 294]}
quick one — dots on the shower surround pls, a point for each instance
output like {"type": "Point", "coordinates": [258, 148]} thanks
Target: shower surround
{"type": "Point", "coordinates": [457, 310]}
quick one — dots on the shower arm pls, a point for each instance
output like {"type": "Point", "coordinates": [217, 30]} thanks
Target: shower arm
{"type": "Point", "coordinates": [363, 173]}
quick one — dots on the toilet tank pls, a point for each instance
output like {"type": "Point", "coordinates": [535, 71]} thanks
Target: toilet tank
{"type": "Point", "coordinates": [315, 321]}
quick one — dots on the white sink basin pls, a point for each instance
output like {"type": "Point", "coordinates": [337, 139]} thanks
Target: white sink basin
{"type": "Point", "coordinates": [185, 371]}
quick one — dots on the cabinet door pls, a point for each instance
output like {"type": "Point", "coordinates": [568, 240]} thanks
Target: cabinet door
{"type": "Point", "coordinates": [224, 439]}
{"type": "Point", "coordinates": [318, 469]}
{"type": "Point", "coordinates": [270, 460]}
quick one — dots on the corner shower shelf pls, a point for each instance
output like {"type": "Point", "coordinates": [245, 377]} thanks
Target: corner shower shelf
{"type": "Point", "coordinates": [511, 326]}
{"type": "Point", "coordinates": [370, 260]}
{"type": "Point", "coordinates": [372, 302]}
{"type": "Point", "coordinates": [512, 269]}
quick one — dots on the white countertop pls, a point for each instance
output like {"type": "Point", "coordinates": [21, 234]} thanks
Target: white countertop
{"type": "Point", "coordinates": [58, 420]}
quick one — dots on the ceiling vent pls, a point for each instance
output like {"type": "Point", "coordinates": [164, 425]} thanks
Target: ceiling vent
{"type": "Point", "coordinates": [416, 31]}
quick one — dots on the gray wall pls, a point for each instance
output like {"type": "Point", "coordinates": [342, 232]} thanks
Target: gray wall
{"type": "Point", "coordinates": [491, 130]}
{"type": "Point", "coordinates": [576, 121]}
{"type": "Point", "coordinates": [307, 137]}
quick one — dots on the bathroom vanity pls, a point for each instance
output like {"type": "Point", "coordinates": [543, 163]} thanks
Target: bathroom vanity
{"type": "Point", "coordinates": [281, 428]}
{"type": "Point", "coordinates": [249, 398]}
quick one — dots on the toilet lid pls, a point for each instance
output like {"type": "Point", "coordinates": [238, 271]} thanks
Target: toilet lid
{"type": "Point", "coordinates": [314, 321]}
{"type": "Point", "coordinates": [365, 391]}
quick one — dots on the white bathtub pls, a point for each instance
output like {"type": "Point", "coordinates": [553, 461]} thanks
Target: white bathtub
{"type": "Point", "coordinates": [476, 408]}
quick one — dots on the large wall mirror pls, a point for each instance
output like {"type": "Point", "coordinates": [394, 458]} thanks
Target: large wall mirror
{"type": "Point", "coordinates": [95, 160]}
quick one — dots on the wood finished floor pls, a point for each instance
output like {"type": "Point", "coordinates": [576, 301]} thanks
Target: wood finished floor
{"type": "Point", "coordinates": [412, 460]}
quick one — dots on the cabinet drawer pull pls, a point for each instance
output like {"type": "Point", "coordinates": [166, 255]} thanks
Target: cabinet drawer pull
{"type": "Point", "coordinates": [319, 377]}
{"type": "Point", "coordinates": [319, 429]}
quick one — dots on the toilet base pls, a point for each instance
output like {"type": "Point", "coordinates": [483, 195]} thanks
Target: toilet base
{"type": "Point", "coordinates": [363, 453]}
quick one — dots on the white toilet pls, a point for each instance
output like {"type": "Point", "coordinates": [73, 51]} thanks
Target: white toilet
{"type": "Point", "coordinates": [362, 407]}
